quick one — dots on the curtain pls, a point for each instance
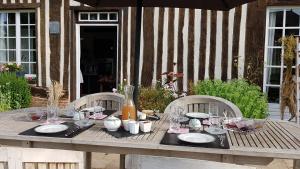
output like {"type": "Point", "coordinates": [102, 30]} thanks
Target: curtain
{"type": "Point", "coordinates": [3, 40]}
{"type": "Point", "coordinates": [270, 52]}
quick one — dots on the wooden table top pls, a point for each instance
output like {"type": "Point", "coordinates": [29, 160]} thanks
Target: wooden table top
{"type": "Point", "coordinates": [279, 139]}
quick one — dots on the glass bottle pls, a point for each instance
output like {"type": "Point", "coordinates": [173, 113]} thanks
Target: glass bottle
{"type": "Point", "coordinates": [128, 109]}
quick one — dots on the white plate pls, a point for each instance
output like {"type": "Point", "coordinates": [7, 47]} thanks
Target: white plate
{"type": "Point", "coordinates": [94, 109]}
{"type": "Point", "coordinates": [215, 131]}
{"type": "Point", "coordinates": [196, 138]}
{"type": "Point", "coordinates": [197, 115]}
{"type": "Point", "coordinates": [51, 128]}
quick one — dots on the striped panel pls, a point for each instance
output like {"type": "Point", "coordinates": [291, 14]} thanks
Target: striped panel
{"type": "Point", "coordinates": [132, 52]}
{"type": "Point", "coordinates": [242, 42]}
{"type": "Point", "coordinates": [121, 61]}
{"type": "Point", "coordinates": [212, 48]}
{"type": "Point", "coordinates": [147, 71]}
{"type": "Point", "coordinates": [141, 48]}
{"type": "Point", "coordinates": [125, 37]}
{"type": "Point", "coordinates": [67, 41]}
{"type": "Point", "coordinates": [42, 35]}
{"type": "Point", "coordinates": [191, 40]}
{"type": "Point", "coordinates": [129, 42]}
{"type": "Point", "coordinates": [203, 43]}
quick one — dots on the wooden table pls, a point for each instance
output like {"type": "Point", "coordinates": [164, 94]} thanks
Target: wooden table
{"type": "Point", "coordinates": [278, 140]}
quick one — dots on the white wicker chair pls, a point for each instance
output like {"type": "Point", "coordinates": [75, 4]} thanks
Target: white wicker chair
{"type": "Point", "coordinates": [194, 103]}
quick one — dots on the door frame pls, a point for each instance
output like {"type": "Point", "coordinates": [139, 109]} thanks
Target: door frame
{"type": "Point", "coordinates": [78, 52]}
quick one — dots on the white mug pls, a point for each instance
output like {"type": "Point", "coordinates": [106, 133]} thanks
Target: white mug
{"type": "Point", "coordinates": [126, 124]}
{"type": "Point", "coordinates": [134, 127]}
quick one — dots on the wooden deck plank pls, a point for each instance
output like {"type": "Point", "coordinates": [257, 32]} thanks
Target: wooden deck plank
{"type": "Point", "coordinates": [42, 166]}
{"type": "Point", "coordinates": [233, 139]}
{"type": "Point", "coordinates": [282, 128]}
{"type": "Point", "coordinates": [250, 140]}
{"type": "Point", "coordinates": [30, 166]}
{"type": "Point", "coordinates": [285, 138]}
{"type": "Point", "coordinates": [245, 140]}
{"type": "Point", "coordinates": [276, 136]}
{"type": "Point", "coordinates": [239, 140]}
{"type": "Point", "coordinates": [260, 141]}
{"type": "Point", "coordinates": [265, 138]}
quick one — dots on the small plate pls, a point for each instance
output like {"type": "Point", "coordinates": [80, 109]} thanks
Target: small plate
{"type": "Point", "coordinates": [94, 109]}
{"type": "Point", "coordinates": [197, 115]}
{"type": "Point", "coordinates": [84, 123]}
{"type": "Point", "coordinates": [196, 138]}
{"type": "Point", "coordinates": [51, 128]}
{"type": "Point", "coordinates": [215, 131]}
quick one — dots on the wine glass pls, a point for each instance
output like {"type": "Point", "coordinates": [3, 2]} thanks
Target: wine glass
{"type": "Point", "coordinates": [174, 118]}
{"type": "Point", "coordinates": [215, 120]}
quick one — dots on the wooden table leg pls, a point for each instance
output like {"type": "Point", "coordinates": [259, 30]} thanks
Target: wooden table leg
{"type": "Point", "coordinates": [88, 160]}
{"type": "Point", "coordinates": [296, 164]}
{"type": "Point", "coordinates": [122, 161]}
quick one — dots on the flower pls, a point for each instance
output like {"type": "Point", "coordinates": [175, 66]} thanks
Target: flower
{"type": "Point", "coordinates": [114, 90]}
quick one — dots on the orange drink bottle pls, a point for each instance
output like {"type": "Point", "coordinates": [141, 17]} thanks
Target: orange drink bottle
{"type": "Point", "coordinates": [128, 109]}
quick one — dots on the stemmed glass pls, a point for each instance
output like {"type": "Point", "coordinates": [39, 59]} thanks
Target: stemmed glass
{"type": "Point", "coordinates": [215, 120]}
{"type": "Point", "coordinates": [174, 118]}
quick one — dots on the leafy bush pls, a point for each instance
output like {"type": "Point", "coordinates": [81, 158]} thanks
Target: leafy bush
{"type": "Point", "coordinates": [248, 98]}
{"type": "Point", "coordinates": [156, 98]}
{"type": "Point", "coordinates": [4, 98]}
{"type": "Point", "coordinates": [17, 88]}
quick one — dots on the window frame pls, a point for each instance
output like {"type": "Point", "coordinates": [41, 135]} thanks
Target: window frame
{"type": "Point", "coordinates": [18, 39]}
{"type": "Point", "coordinates": [267, 47]}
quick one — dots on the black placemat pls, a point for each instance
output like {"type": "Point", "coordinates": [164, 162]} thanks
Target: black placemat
{"type": "Point", "coordinates": [171, 139]}
{"type": "Point", "coordinates": [122, 133]}
{"type": "Point", "coordinates": [106, 112]}
{"type": "Point", "coordinates": [72, 127]}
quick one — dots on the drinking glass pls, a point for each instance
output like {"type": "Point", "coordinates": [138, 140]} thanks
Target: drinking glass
{"type": "Point", "coordinates": [174, 118]}
{"type": "Point", "coordinates": [214, 117]}
{"type": "Point", "coordinates": [84, 119]}
{"type": "Point", "coordinates": [91, 104]}
{"type": "Point", "coordinates": [99, 104]}
{"type": "Point", "coordinates": [52, 112]}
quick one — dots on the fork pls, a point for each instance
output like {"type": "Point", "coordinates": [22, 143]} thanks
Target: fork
{"type": "Point", "coordinates": [221, 137]}
{"type": "Point", "coordinates": [72, 131]}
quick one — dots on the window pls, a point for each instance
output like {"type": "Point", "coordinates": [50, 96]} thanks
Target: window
{"type": "Point", "coordinates": [98, 16]}
{"type": "Point", "coordinates": [280, 22]}
{"type": "Point", "coordinates": [18, 40]}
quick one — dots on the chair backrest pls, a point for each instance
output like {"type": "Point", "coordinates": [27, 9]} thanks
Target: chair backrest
{"type": "Point", "coordinates": [110, 101]}
{"type": "Point", "coordinates": [200, 103]}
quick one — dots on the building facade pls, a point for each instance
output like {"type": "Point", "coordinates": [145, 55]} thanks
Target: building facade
{"type": "Point", "coordinates": [92, 49]}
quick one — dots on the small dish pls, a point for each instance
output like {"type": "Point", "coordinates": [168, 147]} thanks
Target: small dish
{"type": "Point", "coordinates": [197, 115]}
{"type": "Point", "coordinates": [94, 109]}
{"type": "Point", "coordinates": [51, 128]}
{"type": "Point", "coordinates": [196, 138]}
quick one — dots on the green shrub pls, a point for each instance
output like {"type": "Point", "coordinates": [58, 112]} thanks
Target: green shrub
{"type": "Point", "coordinates": [20, 94]}
{"type": "Point", "coordinates": [156, 98]}
{"type": "Point", "coordinates": [248, 97]}
{"type": "Point", "coordinates": [5, 98]}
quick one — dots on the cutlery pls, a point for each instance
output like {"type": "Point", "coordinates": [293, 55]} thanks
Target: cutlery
{"type": "Point", "coordinates": [221, 137]}
{"type": "Point", "coordinates": [74, 130]}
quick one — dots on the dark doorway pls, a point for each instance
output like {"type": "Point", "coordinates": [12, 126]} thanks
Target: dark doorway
{"type": "Point", "coordinates": [98, 62]}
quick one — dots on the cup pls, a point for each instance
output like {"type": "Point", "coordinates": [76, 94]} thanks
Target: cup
{"type": "Point", "coordinates": [125, 124]}
{"type": "Point", "coordinates": [134, 127]}
{"type": "Point", "coordinates": [145, 126]}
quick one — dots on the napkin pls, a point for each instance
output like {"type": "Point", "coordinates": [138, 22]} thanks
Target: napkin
{"type": "Point", "coordinates": [179, 131]}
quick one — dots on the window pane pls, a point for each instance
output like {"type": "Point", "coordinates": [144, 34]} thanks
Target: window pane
{"type": "Point", "coordinates": [32, 18]}
{"type": "Point", "coordinates": [12, 43]}
{"type": "Point", "coordinates": [25, 67]}
{"type": "Point", "coordinates": [274, 57]}
{"type": "Point", "coordinates": [24, 18]}
{"type": "Point", "coordinates": [3, 31]}
{"type": "Point", "coordinates": [274, 36]}
{"type": "Point", "coordinates": [12, 56]}
{"type": "Point", "coordinates": [12, 31]}
{"type": "Point", "coordinates": [292, 18]}
{"type": "Point", "coordinates": [291, 32]}
{"type": "Point", "coordinates": [32, 31]}
{"type": "Point", "coordinates": [11, 18]}
{"type": "Point", "coordinates": [3, 18]}
{"type": "Point", "coordinates": [32, 56]}
{"type": "Point", "coordinates": [113, 16]}
{"type": "Point", "coordinates": [93, 16]}
{"type": "Point", "coordinates": [273, 94]}
{"type": "Point", "coordinates": [32, 43]}
{"type": "Point", "coordinates": [276, 18]}
{"type": "Point", "coordinates": [32, 68]}
{"type": "Point", "coordinates": [84, 16]}
{"type": "Point", "coordinates": [3, 54]}
{"type": "Point", "coordinates": [103, 16]}
{"type": "Point", "coordinates": [25, 56]}
{"type": "Point", "coordinates": [24, 43]}
{"type": "Point", "coordinates": [24, 31]}
{"type": "Point", "coordinates": [3, 43]}
{"type": "Point", "coordinates": [273, 76]}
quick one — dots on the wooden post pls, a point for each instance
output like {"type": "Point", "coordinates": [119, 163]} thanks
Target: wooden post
{"type": "Point", "coordinates": [122, 161]}
{"type": "Point", "coordinates": [296, 164]}
{"type": "Point", "coordinates": [88, 160]}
